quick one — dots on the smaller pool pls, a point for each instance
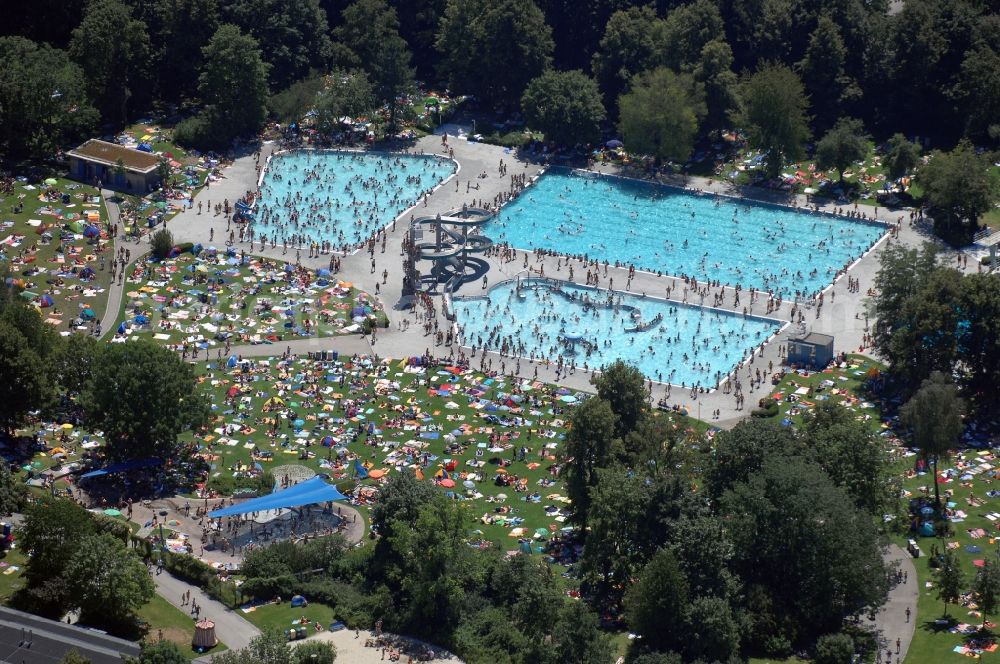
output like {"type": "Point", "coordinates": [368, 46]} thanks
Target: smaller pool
{"type": "Point", "coordinates": [670, 342]}
{"type": "Point", "coordinates": [341, 197]}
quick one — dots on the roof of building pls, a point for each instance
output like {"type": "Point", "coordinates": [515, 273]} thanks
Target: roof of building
{"type": "Point", "coordinates": [816, 339]}
{"type": "Point", "coordinates": [28, 638]}
{"type": "Point", "coordinates": [108, 154]}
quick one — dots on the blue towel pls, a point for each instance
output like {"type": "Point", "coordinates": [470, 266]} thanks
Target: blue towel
{"type": "Point", "coordinates": [430, 435]}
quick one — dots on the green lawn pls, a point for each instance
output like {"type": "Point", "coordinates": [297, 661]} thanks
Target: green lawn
{"type": "Point", "coordinates": [194, 298]}
{"type": "Point", "coordinates": [283, 616]}
{"type": "Point", "coordinates": [287, 411]}
{"type": "Point", "coordinates": [973, 537]}
{"type": "Point", "coordinates": [168, 622]}
{"type": "Point", "coordinates": [11, 573]}
{"type": "Point", "coordinates": [838, 385]}
{"type": "Point", "coordinates": [46, 248]}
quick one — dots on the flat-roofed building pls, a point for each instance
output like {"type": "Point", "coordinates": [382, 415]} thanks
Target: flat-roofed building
{"type": "Point", "coordinates": [97, 159]}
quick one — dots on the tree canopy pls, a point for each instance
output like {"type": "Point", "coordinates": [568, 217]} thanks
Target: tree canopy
{"type": "Point", "coordinates": [775, 115]}
{"type": "Point", "coordinates": [565, 106]}
{"type": "Point", "coordinates": [142, 395]}
{"type": "Point", "coordinates": [664, 130]}
{"type": "Point", "coordinates": [233, 84]}
{"type": "Point", "coordinates": [959, 188]}
{"type": "Point", "coordinates": [843, 145]}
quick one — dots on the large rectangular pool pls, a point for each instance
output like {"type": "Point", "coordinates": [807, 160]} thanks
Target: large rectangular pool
{"type": "Point", "coordinates": [658, 228]}
{"type": "Point", "coordinates": [669, 342]}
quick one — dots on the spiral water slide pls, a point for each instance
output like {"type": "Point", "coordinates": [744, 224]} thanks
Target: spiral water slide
{"type": "Point", "coordinates": [452, 242]}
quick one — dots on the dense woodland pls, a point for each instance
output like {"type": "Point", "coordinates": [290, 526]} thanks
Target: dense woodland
{"type": "Point", "coordinates": [930, 71]}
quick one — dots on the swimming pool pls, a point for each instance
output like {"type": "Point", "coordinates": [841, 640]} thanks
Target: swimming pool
{"type": "Point", "coordinates": [341, 197]}
{"type": "Point", "coordinates": [668, 341]}
{"type": "Point", "coordinates": [664, 229]}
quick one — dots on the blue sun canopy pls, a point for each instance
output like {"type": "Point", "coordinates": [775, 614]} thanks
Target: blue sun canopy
{"type": "Point", "coordinates": [310, 492]}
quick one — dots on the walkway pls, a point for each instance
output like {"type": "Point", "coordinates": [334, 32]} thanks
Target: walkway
{"type": "Point", "coordinates": [230, 627]}
{"type": "Point", "coordinates": [891, 622]}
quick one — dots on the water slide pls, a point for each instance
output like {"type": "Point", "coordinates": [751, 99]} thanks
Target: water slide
{"type": "Point", "coordinates": [452, 243]}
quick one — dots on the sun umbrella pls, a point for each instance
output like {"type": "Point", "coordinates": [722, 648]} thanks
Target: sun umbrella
{"type": "Point", "coordinates": [51, 182]}
{"type": "Point", "coordinates": [447, 483]}
{"type": "Point", "coordinates": [112, 512]}
{"type": "Point", "coordinates": [614, 143]}
{"type": "Point", "coordinates": [469, 484]}
{"type": "Point", "coordinates": [376, 473]}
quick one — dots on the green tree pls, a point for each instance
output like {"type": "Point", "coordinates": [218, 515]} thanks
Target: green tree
{"type": "Point", "coordinates": [525, 588]}
{"type": "Point", "coordinates": [400, 500]}
{"type": "Point", "coordinates": [687, 29]}
{"type": "Point", "coordinates": [623, 386]}
{"type": "Point", "coordinates": [271, 647]}
{"type": "Point", "coordinates": [370, 33]}
{"type": "Point", "coordinates": [112, 47]}
{"type": "Point", "coordinates": [658, 602]}
{"type": "Point", "coordinates": [834, 649]}
{"type": "Point", "coordinates": [775, 116]}
{"type": "Point", "coordinates": [902, 273]}
{"type": "Point", "coordinates": [843, 145]}
{"type": "Point", "coordinates": [712, 632]}
{"type": "Point", "coordinates": [292, 36]}
{"type": "Point", "coordinates": [979, 90]}
{"type": "Point", "coordinates": [979, 298]}
{"type": "Point", "coordinates": [437, 568]}
{"type": "Point", "coordinates": [901, 157]}
{"type": "Point", "coordinates": [742, 451]}
{"type": "Point", "coordinates": [159, 652]}
{"type": "Point", "coordinates": [852, 456]}
{"type": "Point", "coordinates": [12, 492]}
{"type": "Point", "coordinates": [715, 71]}
{"type": "Point", "coordinates": [345, 94]}
{"type": "Point", "coordinates": [616, 549]}
{"type": "Point", "coordinates": [822, 71]}
{"type": "Point", "coordinates": [589, 446]}
{"type": "Point", "coordinates": [663, 130]}
{"type": "Point", "coordinates": [987, 588]}
{"type": "Point", "coordinates": [787, 516]}
{"type": "Point", "coordinates": [162, 243]}
{"type": "Point", "coordinates": [934, 414]}
{"type": "Point", "coordinates": [565, 106]}
{"type": "Point", "coordinates": [26, 385]}
{"type": "Point", "coordinates": [958, 188]}
{"type": "Point", "coordinates": [74, 363]}
{"type": "Point", "coordinates": [51, 530]}
{"type": "Point", "coordinates": [109, 583]}
{"type": "Point", "coordinates": [73, 656]}
{"type": "Point", "coordinates": [43, 99]}
{"type": "Point", "coordinates": [292, 103]}
{"type": "Point", "coordinates": [233, 84]}
{"type": "Point", "coordinates": [629, 46]}
{"type": "Point", "coordinates": [577, 637]}
{"type": "Point", "coordinates": [314, 652]}
{"type": "Point", "coordinates": [493, 49]}
{"type": "Point", "coordinates": [142, 396]}
{"type": "Point", "coordinates": [179, 29]}
{"type": "Point", "coordinates": [950, 579]}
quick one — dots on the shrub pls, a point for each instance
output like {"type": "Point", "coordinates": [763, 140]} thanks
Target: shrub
{"type": "Point", "coordinates": [834, 649]}
{"type": "Point", "coordinates": [768, 408]}
{"type": "Point", "coordinates": [163, 242]}
{"type": "Point", "coordinates": [195, 132]}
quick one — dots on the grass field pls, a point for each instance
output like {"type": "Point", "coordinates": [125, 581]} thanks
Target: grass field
{"type": "Point", "coordinates": [195, 298]}
{"type": "Point", "coordinates": [11, 573]}
{"type": "Point", "coordinates": [47, 251]}
{"type": "Point", "coordinates": [460, 429]}
{"type": "Point", "coordinates": [283, 616]}
{"type": "Point", "coordinates": [170, 623]}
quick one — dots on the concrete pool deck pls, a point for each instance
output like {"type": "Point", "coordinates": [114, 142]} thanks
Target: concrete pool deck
{"type": "Point", "coordinates": [841, 316]}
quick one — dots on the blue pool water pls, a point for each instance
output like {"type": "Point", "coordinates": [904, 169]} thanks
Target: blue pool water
{"type": "Point", "coordinates": [665, 229]}
{"type": "Point", "coordinates": [341, 197]}
{"type": "Point", "coordinates": [688, 345]}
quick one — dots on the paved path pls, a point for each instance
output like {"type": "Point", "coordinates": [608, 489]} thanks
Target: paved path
{"type": "Point", "coordinates": [230, 627]}
{"type": "Point", "coordinates": [890, 621]}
